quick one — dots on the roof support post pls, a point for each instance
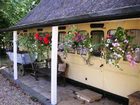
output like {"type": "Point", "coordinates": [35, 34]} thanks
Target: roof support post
{"type": "Point", "coordinates": [15, 55]}
{"type": "Point", "coordinates": [54, 65]}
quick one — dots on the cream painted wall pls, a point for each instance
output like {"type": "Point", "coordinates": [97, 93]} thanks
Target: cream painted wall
{"type": "Point", "coordinates": [108, 77]}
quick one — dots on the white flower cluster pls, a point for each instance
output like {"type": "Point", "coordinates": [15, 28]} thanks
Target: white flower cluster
{"type": "Point", "coordinates": [117, 56]}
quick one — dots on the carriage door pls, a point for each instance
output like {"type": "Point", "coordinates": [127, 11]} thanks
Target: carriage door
{"type": "Point", "coordinates": [97, 72]}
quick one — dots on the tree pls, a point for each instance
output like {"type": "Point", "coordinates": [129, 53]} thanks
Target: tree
{"type": "Point", "coordinates": [12, 11]}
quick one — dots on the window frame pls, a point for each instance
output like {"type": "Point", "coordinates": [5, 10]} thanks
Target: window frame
{"type": "Point", "coordinates": [60, 38]}
{"type": "Point", "coordinates": [97, 53]}
{"type": "Point", "coordinates": [130, 35]}
{"type": "Point", "coordinates": [125, 30]}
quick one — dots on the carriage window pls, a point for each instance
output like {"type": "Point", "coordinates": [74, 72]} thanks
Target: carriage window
{"type": "Point", "coordinates": [61, 37]}
{"type": "Point", "coordinates": [111, 32]}
{"type": "Point", "coordinates": [136, 34]}
{"type": "Point", "coordinates": [61, 40]}
{"type": "Point", "coordinates": [131, 32]}
{"type": "Point", "coordinates": [97, 37]}
{"type": "Point", "coordinates": [84, 32]}
{"type": "Point", "coordinates": [81, 50]}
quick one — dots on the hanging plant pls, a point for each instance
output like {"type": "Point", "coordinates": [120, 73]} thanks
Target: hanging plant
{"type": "Point", "coordinates": [43, 45]}
{"type": "Point", "coordinates": [81, 41]}
{"type": "Point", "coordinates": [113, 48]}
{"type": "Point", "coordinates": [38, 44]}
{"type": "Point", "coordinates": [119, 47]}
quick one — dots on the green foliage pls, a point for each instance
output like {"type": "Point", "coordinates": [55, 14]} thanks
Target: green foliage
{"type": "Point", "coordinates": [77, 39]}
{"type": "Point", "coordinates": [7, 40]}
{"type": "Point", "coordinates": [11, 11]}
{"type": "Point", "coordinates": [28, 43]}
{"type": "Point", "coordinates": [117, 46]}
{"type": "Point", "coordinates": [113, 48]}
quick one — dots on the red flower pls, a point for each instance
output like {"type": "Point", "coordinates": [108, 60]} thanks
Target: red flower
{"type": "Point", "coordinates": [37, 36]}
{"type": "Point", "coordinates": [47, 35]}
{"type": "Point", "coordinates": [40, 38]}
{"type": "Point", "coordinates": [46, 40]}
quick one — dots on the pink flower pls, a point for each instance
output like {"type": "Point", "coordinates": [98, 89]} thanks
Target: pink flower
{"type": "Point", "coordinates": [115, 44]}
{"type": "Point", "coordinates": [125, 41]}
{"type": "Point", "coordinates": [79, 38]}
{"type": "Point", "coordinates": [40, 38]}
{"type": "Point", "coordinates": [130, 59]}
{"type": "Point", "coordinates": [133, 63]}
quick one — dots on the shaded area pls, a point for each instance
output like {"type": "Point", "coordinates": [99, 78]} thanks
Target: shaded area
{"type": "Point", "coordinates": [42, 91]}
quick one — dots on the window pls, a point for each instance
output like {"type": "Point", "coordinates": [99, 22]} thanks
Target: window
{"type": "Point", "coordinates": [97, 37]}
{"type": "Point", "coordinates": [99, 25]}
{"type": "Point", "coordinates": [84, 32]}
{"type": "Point", "coordinates": [62, 27]}
{"type": "Point", "coordinates": [136, 34]}
{"type": "Point", "coordinates": [40, 29]}
{"type": "Point", "coordinates": [130, 32]}
{"type": "Point", "coordinates": [111, 32]}
{"type": "Point", "coordinates": [61, 40]}
{"type": "Point", "coordinates": [61, 36]}
{"type": "Point", "coordinates": [82, 50]}
{"type": "Point", "coordinates": [25, 30]}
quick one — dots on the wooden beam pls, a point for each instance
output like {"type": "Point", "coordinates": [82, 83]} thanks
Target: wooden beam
{"type": "Point", "coordinates": [15, 55]}
{"type": "Point", "coordinates": [54, 65]}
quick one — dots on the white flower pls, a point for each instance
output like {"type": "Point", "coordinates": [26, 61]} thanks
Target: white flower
{"type": "Point", "coordinates": [115, 53]}
{"type": "Point", "coordinates": [115, 44]}
{"type": "Point", "coordinates": [109, 61]}
{"type": "Point", "coordinates": [111, 48]}
{"type": "Point", "coordinates": [90, 45]}
{"type": "Point", "coordinates": [119, 48]}
{"type": "Point", "coordinates": [123, 51]}
{"type": "Point", "coordinates": [119, 56]}
{"type": "Point", "coordinates": [106, 45]}
{"type": "Point", "coordinates": [108, 41]}
{"type": "Point", "coordinates": [125, 41]}
{"type": "Point", "coordinates": [115, 40]}
{"type": "Point", "coordinates": [91, 49]}
{"type": "Point", "coordinates": [131, 49]}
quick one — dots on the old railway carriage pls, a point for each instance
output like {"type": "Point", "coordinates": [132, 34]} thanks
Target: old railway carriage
{"type": "Point", "coordinates": [98, 18]}
{"type": "Point", "coordinates": [107, 77]}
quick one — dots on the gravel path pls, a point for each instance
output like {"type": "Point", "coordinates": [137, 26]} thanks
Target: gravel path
{"type": "Point", "coordinates": [10, 94]}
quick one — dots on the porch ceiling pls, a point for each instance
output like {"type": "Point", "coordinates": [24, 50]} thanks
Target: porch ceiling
{"type": "Point", "coordinates": [61, 12]}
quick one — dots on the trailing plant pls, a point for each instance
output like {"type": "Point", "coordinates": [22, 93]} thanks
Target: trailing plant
{"type": "Point", "coordinates": [81, 41]}
{"type": "Point", "coordinates": [113, 48]}
{"type": "Point", "coordinates": [119, 47]}
{"type": "Point", "coordinates": [38, 44]}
